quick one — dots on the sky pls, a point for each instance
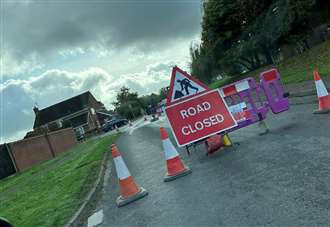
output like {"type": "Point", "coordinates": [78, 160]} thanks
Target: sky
{"type": "Point", "coordinates": [52, 50]}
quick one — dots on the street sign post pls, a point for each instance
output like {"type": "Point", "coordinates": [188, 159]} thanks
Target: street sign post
{"type": "Point", "coordinates": [198, 117]}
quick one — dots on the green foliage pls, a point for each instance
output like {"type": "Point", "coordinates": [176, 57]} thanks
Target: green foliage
{"type": "Point", "coordinates": [202, 65]}
{"type": "Point", "coordinates": [293, 70]}
{"type": "Point", "coordinates": [124, 96]}
{"type": "Point", "coordinates": [150, 102]}
{"type": "Point", "coordinates": [48, 194]}
{"type": "Point", "coordinates": [151, 99]}
{"type": "Point", "coordinates": [221, 83]}
{"type": "Point", "coordinates": [243, 35]}
{"type": "Point", "coordinates": [128, 104]}
{"type": "Point", "coordinates": [163, 92]}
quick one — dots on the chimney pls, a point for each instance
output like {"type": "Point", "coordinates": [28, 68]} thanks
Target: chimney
{"type": "Point", "coordinates": [36, 110]}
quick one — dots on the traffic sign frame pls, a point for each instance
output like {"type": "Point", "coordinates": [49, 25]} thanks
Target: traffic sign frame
{"type": "Point", "coordinates": [170, 91]}
{"type": "Point", "coordinates": [194, 97]}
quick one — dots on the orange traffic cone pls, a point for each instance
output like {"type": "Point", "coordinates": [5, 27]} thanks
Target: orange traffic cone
{"type": "Point", "coordinates": [213, 143]}
{"type": "Point", "coordinates": [322, 94]}
{"type": "Point", "coordinates": [175, 167]}
{"type": "Point", "coordinates": [129, 190]}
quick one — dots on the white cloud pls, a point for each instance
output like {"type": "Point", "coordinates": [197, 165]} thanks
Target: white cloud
{"type": "Point", "coordinates": [10, 65]}
{"type": "Point", "coordinates": [36, 31]}
{"type": "Point", "coordinates": [54, 50]}
{"type": "Point", "coordinates": [19, 96]}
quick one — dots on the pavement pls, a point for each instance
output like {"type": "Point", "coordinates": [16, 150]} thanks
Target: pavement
{"type": "Point", "coordinates": [281, 178]}
{"type": "Point", "coordinates": [305, 87]}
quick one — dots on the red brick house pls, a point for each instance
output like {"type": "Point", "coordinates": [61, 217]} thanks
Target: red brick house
{"type": "Point", "coordinates": [83, 113]}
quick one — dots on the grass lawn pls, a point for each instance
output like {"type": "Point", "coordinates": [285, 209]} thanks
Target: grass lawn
{"type": "Point", "coordinates": [48, 194]}
{"type": "Point", "coordinates": [296, 69]}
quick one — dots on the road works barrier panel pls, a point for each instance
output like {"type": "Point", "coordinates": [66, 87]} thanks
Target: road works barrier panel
{"type": "Point", "coordinates": [246, 101]}
{"type": "Point", "coordinates": [270, 82]}
{"type": "Point", "coordinates": [195, 117]}
{"type": "Point", "coordinates": [242, 104]}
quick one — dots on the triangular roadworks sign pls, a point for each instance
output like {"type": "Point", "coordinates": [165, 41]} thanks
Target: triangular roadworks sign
{"type": "Point", "coordinates": [183, 86]}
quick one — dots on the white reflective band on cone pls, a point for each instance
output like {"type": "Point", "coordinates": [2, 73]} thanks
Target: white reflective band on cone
{"type": "Point", "coordinates": [321, 89]}
{"type": "Point", "coordinates": [242, 86]}
{"type": "Point", "coordinates": [122, 171]}
{"type": "Point", "coordinates": [170, 151]}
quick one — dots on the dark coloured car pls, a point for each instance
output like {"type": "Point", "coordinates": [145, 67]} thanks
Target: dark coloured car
{"type": "Point", "coordinates": [111, 125]}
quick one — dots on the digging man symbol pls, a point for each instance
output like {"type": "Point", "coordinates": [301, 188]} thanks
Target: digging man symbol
{"type": "Point", "coordinates": [185, 85]}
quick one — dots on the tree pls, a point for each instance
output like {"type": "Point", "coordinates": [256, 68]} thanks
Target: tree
{"type": "Point", "coordinates": [202, 64]}
{"type": "Point", "coordinates": [223, 24]}
{"type": "Point", "coordinates": [151, 102]}
{"type": "Point", "coordinates": [243, 35]}
{"type": "Point", "coordinates": [127, 103]}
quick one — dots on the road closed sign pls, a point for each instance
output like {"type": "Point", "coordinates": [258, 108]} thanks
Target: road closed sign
{"type": "Point", "coordinates": [199, 117]}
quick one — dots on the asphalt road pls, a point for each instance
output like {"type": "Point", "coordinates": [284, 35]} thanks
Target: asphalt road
{"type": "Point", "coordinates": [281, 178]}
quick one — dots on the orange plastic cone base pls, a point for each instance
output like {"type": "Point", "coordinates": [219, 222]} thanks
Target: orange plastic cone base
{"type": "Point", "coordinates": [163, 133]}
{"type": "Point", "coordinates": [128, 187]}
{"type": "Point", "coordinates": [175, 166]}
{"type": "Point", "coordinates": [324, 103]}
{"type": "Point", "coordinates": [213, 143]}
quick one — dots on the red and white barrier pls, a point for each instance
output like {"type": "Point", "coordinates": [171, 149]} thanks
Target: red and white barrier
{"type": "Point", "coordinates": [234, 88]}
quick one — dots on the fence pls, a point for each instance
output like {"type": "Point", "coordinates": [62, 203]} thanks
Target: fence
{"type": "Point", "coordinates": [27, 152]}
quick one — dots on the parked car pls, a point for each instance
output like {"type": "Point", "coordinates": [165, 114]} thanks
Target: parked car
{"type": "Point", "coordinates": [110, 125]}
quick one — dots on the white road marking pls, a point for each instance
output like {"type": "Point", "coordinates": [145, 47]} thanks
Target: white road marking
{"type": "Point", "coordinates": [95, 219]}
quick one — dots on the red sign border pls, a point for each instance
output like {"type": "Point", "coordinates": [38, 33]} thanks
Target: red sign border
{"type": "Point", "coordinates": [193, 97]}
{"type": "Point", "coordinates": [169, 95]}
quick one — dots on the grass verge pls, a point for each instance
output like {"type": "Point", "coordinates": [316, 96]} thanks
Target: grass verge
{"type": "Point", "coordinates": [295, 69]}
{"type": "Point", "coordinates": [48, 194]}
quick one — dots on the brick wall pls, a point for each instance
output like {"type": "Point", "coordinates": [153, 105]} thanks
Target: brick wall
{"type": "Point", "coordinates": [62, 140]}
{"type": "Point", "coordinates": [33, 150]}
{"type": "Point", "coordinates": [30, 151]}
